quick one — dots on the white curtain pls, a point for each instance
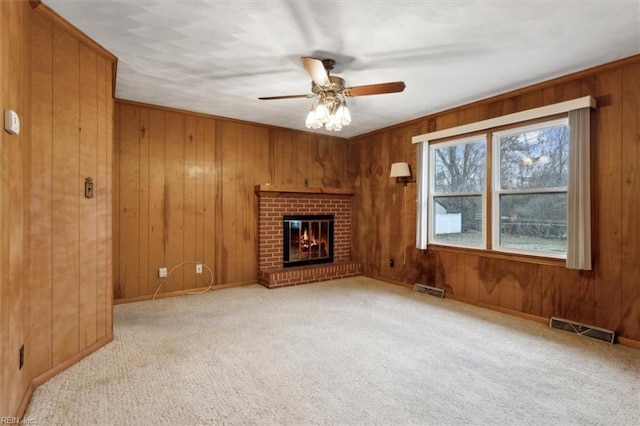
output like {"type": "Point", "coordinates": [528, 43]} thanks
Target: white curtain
{"type": "Point", "coordinates": [423, 194]}
{"type": "Point", "coordinates": [579, 191]}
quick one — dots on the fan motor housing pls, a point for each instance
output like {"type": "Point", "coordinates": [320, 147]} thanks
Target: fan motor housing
{"type": "Point", "coordinates": [336, 86]}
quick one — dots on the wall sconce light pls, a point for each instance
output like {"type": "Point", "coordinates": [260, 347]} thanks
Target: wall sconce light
{"type": "Point", "coordinates": [402, 173]}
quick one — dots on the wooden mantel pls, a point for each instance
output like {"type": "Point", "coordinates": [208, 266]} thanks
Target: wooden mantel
{"type": "Point", "coordinates": [284, 189]}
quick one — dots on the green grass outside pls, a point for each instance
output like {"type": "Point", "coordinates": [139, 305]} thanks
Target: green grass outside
{"type": "Point", "coordinates": [518, 242]}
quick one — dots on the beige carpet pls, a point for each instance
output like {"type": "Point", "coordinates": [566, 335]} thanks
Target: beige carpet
{"type": "Point", "coordinates": [353, 351]}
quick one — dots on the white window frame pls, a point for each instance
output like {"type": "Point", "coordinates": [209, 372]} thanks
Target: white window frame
{"type": "Point", "coordinates": [432, 195]}
{"type": "Point", "coordinates": [497, 191]}
{"type": "Point", "coordinates": [579, 216]}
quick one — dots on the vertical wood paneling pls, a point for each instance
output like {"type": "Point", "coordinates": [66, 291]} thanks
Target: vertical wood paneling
{"type": "Point", "coordinates": [109, 113]}
{"type": "Point", "coordinates": [229, 189]}
{"type": "Point", "coordinates": [190, 198]}
{"type": "Point", "coordinates": [445, 121]}
{"type": "Point", "coordinates": [88, 147]}
{"type": "Point", "coordinates": [607, 296]}
{"type": "Point", "coordinates": [157, 188]}
{"type": "Point", "coordinates": [115, 208]}
{"type": "Point", "coordinates": [630, 323]}
{"type": "Point", "coordinates": [248, 230]}
{"type": "Point", "coordinates": [66, 230]}
{"type": "Point", "coordinates": [220, 252]}
{"type": "Point", "coordinates": [143, 206]}
{"type": "Point", "coordinates": [568, 90]}
{"type": "Point", "coordinates": [263, 172]}
{"type": "Point", "coordinates": [129, 203]}
{"type": "Point", "coordinates": [300, 158]}
{"type": "Point", "coordinates": [364, 247]}
{"type": "Point", "coordinates": [210, 182]}
{"type": "Point", "coordinates": [18, 239]}
{"type": "Point", "coordinates": [201, 177]}
{"type": "Point", "coordinates": [473, 288]}
{"type": "Point", "coordinates": [284, 158]}
{"type": "Point", "coordinates": [103, 198]}
{"type": "Point", "coordinates": [174, 197]}
{"type": "Point", "coordinates": [261, 161]}
{"type": "Point", "coordinates": [109, 136]}
{"type": "Point", "coordinates": [41, 193]}
{"type": "Point", "coordinates": [319, 154]}
{"type": "Point", "coordinates": [607, 195]}
{"type": "Point", "coordinates": [529, 100]}
{"type": "Point", "coordinates": [331, 161]}
{"type": "Point", "coordinates": [394, 196]}
{"type": "Point", "coordinates": [69, 255]}
{"type": "Point", "coordinates": [589, 85]}
{"type": "Point", "coordinates": [531, 302]}
{"type": "Point", "coordinates": [6, 387]}
{"type": "Point", "coordinates": [13, 80]}
{"type": "Point", "coordinates": [446, 276]}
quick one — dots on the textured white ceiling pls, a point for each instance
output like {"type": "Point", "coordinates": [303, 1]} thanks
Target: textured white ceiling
{"type": "Point", "coordinates": [218, 57]}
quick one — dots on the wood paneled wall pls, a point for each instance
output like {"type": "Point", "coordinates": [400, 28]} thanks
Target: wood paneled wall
{"type": "Point", "coordinates": [55, 256]}
{"type": "Point", "coordinates": [70, 281]}
{"type": "Point", "coordinates": [184, 191]}
{"type": "Point", "coordinates": [14, 16]}
{"type": "Point", "coordinates": [608, 296]}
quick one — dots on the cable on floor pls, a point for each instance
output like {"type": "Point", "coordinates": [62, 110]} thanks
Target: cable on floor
{"type": "Point", "coordinates": [188, 262]}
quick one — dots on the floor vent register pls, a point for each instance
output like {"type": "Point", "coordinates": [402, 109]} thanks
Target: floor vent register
{"type": "Point", "coordinates": [433, 291]}
{"type": "Point", "coordinates": [583, 329]}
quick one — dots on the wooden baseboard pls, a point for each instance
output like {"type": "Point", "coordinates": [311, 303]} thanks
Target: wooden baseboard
{"type": "Point", "coordinates": [38, 380]}
{"type": "Point", "coordinates": [473, 302]}
{"type": "Point", "coordinates": [24, 402]}
{"type": "Point", "coordinates": [389, 281]}
{"type": "Point", "coordinates": [512, 312]}
{"type": "Point", "coordinates": [182, 292]}
{"type": "Point", "coordinates": [625, 341]}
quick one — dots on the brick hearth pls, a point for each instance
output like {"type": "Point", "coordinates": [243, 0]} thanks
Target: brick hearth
{"type": "Point", "coordinates": [277, 201]}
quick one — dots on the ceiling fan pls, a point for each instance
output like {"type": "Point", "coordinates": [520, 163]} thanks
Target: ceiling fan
{"type": "Point", "coordinates": [330, 105]}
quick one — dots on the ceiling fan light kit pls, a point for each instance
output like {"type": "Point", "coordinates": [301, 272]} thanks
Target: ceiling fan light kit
{"type": "Point", "coordinates": [330, 111]}
{"type": "Point", "coordinates": [329, 108]}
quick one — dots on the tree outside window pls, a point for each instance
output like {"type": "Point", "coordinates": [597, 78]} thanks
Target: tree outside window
{"type": "Point", "coordinates": [532, 165]}
{"type": "Point", "coordinates": [458, 191]}
{"type": "Point", "coordinates": [528, 188]}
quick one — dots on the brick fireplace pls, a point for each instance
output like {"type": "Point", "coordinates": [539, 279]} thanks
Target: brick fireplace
{"type": "Point", "coordinates": [275, 202]}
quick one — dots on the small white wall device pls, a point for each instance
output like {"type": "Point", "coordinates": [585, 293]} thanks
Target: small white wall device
{"type": "Point", "coordinates": [11, 122]}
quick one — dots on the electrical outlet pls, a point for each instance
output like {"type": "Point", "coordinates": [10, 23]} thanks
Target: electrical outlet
{"type": "Point", "coordinates": [21, 357]}
{"type": "Point", "coordinates": [392, 263]}
{"type": "Point", "coordinates": [198, 268]}
{"type": "Point", "coordinates": [162, 273]}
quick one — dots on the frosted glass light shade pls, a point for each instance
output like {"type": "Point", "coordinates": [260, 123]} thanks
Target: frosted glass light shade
{"type": "Point", "coordinates": [331, 113]}
{"type": "Point", "coordinates": [400, 170]}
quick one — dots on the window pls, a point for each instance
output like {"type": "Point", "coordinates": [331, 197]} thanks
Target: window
{"type": "Point", "coordinates": [531, 170]}
{"type": "Point", "coordinates": [536, 196]}
{"type": "Point", "coordinates": [527, 188]}
{"type": "Point", "coordinates": [457, 195]}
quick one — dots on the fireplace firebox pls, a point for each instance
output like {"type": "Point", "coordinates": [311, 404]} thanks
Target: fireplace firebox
{"type": "Point", "coordinates": [308, 239]}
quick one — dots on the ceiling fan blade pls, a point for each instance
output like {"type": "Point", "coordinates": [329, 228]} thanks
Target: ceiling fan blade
{"type": "Point", "coordinates": [375, 89]}
{"type": "Point", "coordinates": [271, 98]}
{"type": "Point", "coordinates": [316, 70]}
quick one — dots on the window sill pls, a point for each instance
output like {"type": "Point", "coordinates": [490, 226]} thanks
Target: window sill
{"type": "Point", "coordinates": [540, 260]}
